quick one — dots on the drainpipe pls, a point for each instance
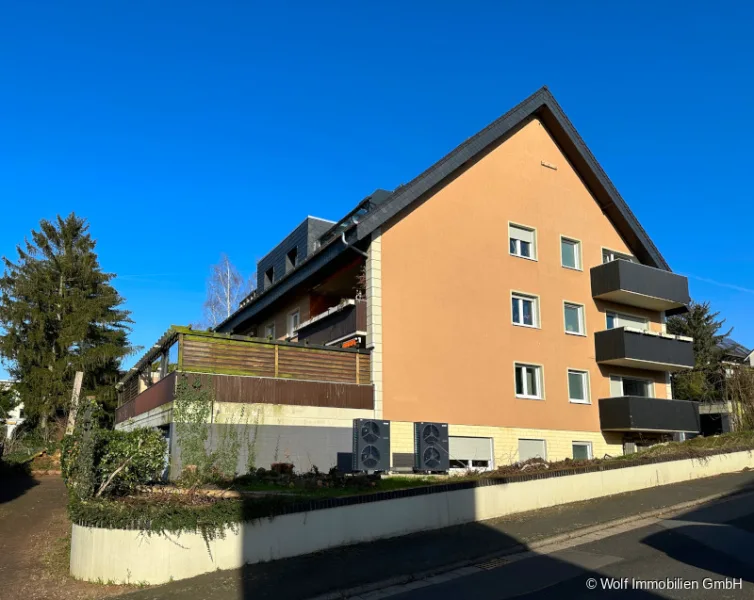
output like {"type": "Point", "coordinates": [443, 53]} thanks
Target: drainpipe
{"type": "Point", "coordinates": [347, 245]}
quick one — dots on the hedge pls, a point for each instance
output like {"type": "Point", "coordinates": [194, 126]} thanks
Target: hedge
{"type": "Point", "coordinates": [98, 461]}
{"type": "Point", "coordinates": [172, 513]}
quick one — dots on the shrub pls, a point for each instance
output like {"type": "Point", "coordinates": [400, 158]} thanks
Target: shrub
{"type": "Point", "coordinates": [282, 468]}
{"type": "Point", "coordinates": [98, 462]}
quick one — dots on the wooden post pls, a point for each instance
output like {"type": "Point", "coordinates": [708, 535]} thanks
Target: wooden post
{"type": "Point", "coordinates": [357, 368]}
{"type": "Point", "coordinates": [180, 352]}
{"type": "Point", "coordinates": [77, 381]}
{"type": "Point", "coordinates": [276, 359]}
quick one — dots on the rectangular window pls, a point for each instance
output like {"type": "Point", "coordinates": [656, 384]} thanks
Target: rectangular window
{"type": "Point", "coordinates": [528, 449]}
{"type": "Point", "coordinates": [582, 450]}
{"type": "Point", "coordinates": [269, 331]}
{"type": "Point", "coordinates": [293, 320]}
{"type": "Point", "coordinates": [528, 381]}
{"type": "Point", "coordinates": [522, 241]}
{"type": "Point", "coordinates": [578, 386]}
{"type": "Point", "coordinates": [291, 259]}
{"type": "Point", "coordinates": [611, 255]}
{"type": "Point", "coordinates": [570, 253]}
{"type": "Point", "coordinates": [614, 320]}
{"type": "Point", "coordinates": [525, 310]}
{"type": "Point", "coordinates": [631, 386]}
{"type": "Point", "coordinates": [574, 318]}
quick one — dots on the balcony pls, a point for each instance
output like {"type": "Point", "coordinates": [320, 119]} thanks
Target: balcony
{"type": "Point", "coordinates": [246, 369]}
{"type": "Point", "coordinates": [628, 347]}
{"type": "Point", "coordinates": [341, 324]}
{"type": "Point", "coordinates": [636, 413]}
{"type": "Point", "coordinates": [635, 284]}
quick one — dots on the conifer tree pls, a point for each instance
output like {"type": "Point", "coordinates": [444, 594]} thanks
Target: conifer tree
{"type": "Point", "coordinates": [60, 314]}
{"type": "Point", "coordinates": [704, 382]}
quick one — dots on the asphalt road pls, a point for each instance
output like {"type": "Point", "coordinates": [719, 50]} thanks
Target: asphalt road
{"type": "Point", "coordinates": [705, 553]}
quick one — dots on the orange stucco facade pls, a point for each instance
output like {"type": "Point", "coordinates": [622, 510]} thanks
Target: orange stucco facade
{"type": "Point", "coordinates": [448, 342]}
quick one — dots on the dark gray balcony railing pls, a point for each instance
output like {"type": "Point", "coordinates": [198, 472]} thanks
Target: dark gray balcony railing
{"type": "Point", "coordinates": [641, 350]}
{"type": "Point", "coordinates": [635, 284]}
{"type": "Point", "coordinates": [636, 413]}
{"type": "Point", "coordinates": [337, 323]}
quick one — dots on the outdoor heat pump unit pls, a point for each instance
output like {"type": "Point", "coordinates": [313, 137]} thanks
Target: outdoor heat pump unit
{"type": "Point", "coordinates": [371, 445]}
{"type": "Point", "coordinates": [431, 447]}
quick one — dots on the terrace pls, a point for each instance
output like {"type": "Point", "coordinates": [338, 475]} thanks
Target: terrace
{"type": "Point", "coordinates": [247, 369]}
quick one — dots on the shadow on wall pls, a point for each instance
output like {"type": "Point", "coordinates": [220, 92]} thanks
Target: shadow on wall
{"type": "Point", "coordinates": [254, 445]}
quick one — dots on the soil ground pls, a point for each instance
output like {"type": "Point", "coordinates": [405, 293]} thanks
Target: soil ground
{"type": "Point", "coordinates": [35, 538]}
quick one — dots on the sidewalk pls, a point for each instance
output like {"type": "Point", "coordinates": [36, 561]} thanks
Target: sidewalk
{"type": "Point", "coordinates": [308, 576]}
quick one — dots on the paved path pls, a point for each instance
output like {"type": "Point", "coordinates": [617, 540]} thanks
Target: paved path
{"type": "Point", "coordinates": [33, 550]}
{"type": "Point", "coordinates": [707, 552]}
{"type": "Point", "coordinates": [309, 576]}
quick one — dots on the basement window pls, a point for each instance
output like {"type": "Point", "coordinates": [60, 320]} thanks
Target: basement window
{"type": "Point", "coordinates": [528, 449]}
{"type": "Point", "coordinates": [581, 450]}
{"type": "Point", "coordinates": [291, 260]}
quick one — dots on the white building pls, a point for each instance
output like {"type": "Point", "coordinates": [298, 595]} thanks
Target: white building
{"type": "Point", "coordinates": [15, 417]}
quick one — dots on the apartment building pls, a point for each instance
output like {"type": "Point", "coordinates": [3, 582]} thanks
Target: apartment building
{"type": "Point", "coordinates": [508, 290]}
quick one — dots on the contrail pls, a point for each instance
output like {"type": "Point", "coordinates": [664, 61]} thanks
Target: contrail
{"type": "Point", "coordinates": [722, 284]}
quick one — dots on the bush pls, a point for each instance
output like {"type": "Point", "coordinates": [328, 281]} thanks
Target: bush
{"type": "Point", "coordinates": [98, 461]}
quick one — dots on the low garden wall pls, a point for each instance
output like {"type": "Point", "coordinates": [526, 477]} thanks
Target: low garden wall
{"type": "Point", "coordinates": [133, 556]}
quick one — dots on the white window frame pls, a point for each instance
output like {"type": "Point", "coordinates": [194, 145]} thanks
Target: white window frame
{"type": "Point", "coordinates": [615, 255]}
{"type": "Point", "coordinates": [540, 377]}
{"type": "Point", "coordinates": [650, 381]}
{"type": "Point", "coordinates": [269, 331]}
{"type": "Point", "coordinates": [616, 314]}
{"type": "Point", "coordinates": [533, 231]}
{"type": "Point", "coordinates": [534, 299]}
{"type": "Point", "coordinates": [469, 460]}
{"type": "Point", "coordinates": [291, 329]}
{"type": "Point", "coordinates": [544, 445]}
{"type": "Point", "coordinates": [582, 318]}
{"type": "Point", "coordinates": [578, 254]}
{"type": "Point", "coordinates": [587, 387]}
{"type": "Point", "coordinates": [590, 454]}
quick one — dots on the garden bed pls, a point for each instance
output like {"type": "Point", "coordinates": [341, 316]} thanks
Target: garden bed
{"type": "Point", "coordinates": [174, 539]}
{"type": "Point", "coordinates": [277, 492]}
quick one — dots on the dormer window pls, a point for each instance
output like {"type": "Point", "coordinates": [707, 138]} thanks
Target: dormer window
{"type": "Point", "coordinates": [291, 260]}
{"type": "Point", "coordinates": [268, 277]}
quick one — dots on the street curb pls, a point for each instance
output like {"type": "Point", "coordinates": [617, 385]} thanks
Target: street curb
{"type": "Point", "coordinates": [521, 548]}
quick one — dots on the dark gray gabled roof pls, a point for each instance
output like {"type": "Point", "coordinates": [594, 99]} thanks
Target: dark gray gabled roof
{"type": "Point", "coordinates": [541, 105]}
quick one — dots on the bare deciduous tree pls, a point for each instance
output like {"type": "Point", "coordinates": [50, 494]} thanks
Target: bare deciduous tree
{"type": "Point", "coordinates": [226, 288]}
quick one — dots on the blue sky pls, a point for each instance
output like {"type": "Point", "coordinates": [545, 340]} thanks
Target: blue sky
{"type": "Point", "coordinates": [185, 129]}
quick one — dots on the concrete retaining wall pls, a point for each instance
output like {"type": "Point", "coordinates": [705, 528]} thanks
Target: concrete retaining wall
{"type": "Point", "coordinates": [136, 557]}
